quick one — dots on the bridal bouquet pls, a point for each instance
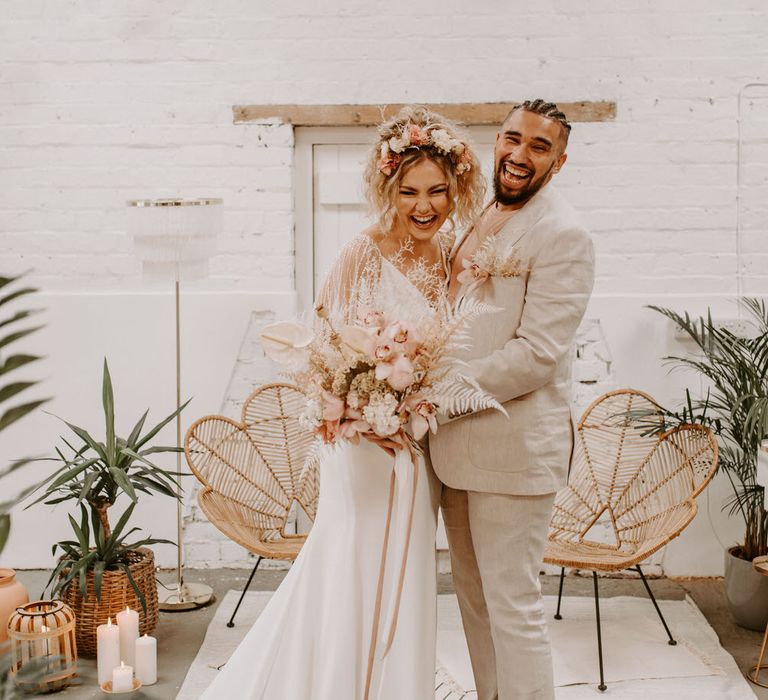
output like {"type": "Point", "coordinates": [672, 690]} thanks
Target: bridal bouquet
{"type": "Point", "coordinates": [378, 375]}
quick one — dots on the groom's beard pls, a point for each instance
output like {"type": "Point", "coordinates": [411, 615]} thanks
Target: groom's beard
{"type": "Point", "coordinates": [523, 195]}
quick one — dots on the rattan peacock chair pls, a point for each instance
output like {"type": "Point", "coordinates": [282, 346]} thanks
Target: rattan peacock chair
{"type": "Point", "coordinates": [254, 471]}
{"type": "Point", "coordinates": [637, 484]}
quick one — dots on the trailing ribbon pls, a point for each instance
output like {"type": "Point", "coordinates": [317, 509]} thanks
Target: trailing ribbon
{"type": "Point", "coordinates": [402, 490]}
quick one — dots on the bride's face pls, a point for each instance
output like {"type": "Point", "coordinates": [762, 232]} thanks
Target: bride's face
{"type": "Point", "coordinates": [422, 203]}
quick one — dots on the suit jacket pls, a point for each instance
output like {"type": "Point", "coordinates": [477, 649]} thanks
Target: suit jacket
{"type": "Point", "coordinates": [522, 355]}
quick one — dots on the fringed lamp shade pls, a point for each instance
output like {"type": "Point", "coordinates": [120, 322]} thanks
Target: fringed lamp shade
{"type": "Point", "coordinates": [174, 238]}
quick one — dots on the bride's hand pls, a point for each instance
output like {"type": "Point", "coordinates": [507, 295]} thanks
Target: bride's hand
{"type": "Point", "coordinates": [387, 444]}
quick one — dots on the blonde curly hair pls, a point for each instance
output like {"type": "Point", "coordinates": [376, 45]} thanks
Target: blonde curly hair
{"type": "Point", "coordinates": [414, 134]}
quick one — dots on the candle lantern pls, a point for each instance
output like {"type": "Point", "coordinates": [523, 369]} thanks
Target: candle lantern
{"type": "Point", "coordinates": [42, 635]}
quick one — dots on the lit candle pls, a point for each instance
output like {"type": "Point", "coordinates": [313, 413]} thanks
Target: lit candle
{"type": "Point", "coordinates": [128, 622]}
{"type": "Point", "coordinates": [146, 660]}
{"type": "Point", "coordinates": [107, 650]}
{"type": "Point", "coordinates": [122, 678]}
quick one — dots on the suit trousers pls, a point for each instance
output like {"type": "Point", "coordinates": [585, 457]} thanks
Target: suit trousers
{"type": "Point", "coordinates": [497, 543]}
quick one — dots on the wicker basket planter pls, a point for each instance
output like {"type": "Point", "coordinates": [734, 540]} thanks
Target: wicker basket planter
{"type": "Point", "coordinates": [116, 594]}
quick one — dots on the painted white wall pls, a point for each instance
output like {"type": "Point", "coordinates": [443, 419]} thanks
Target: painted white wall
{"type": "Point", "coordinates": [103, 102]}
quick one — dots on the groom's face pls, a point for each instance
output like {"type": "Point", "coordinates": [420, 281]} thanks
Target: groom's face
{"type": "Point", "coordinates": [529, 150]}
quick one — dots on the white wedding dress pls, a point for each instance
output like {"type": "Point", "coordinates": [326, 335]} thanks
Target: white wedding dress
{"type": "Point", "coordinates": [313, 639]}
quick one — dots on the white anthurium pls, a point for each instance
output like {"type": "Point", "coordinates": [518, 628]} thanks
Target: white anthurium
{"type": "Point", "coordinates": [359, 339]}
{"type": "Point", "coordinates": [287, 342]}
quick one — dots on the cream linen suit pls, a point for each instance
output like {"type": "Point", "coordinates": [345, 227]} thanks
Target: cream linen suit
{"type": "Point", "coordinates": [500, 473]}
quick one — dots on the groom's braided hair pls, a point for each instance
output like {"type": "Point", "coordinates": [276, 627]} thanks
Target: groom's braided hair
{"type": "Point", "coordinates": [546, 109]}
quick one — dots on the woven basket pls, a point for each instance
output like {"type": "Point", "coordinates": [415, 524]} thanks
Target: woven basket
{"type": "Point", "coordinates": [116, 594]}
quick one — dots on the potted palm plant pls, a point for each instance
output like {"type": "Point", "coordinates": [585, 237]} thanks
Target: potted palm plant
{"type": "Point", "coordinates": [10, 362]}
{"type": "Point", "coordinates": [736, 407]}
{"type": "Point", "coordinates": [101, 568]}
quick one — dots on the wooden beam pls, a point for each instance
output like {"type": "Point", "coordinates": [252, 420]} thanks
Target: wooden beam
{"type": "Point", "coordinates": [473, 114]}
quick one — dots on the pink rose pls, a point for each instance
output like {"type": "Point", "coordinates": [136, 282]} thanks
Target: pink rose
{"type": "Point", "coordinates": [332, 406]}
{"type": "Point", "coordinates": [354, 424]}
{"type": "Point", "coordinates": [388, 164]}
{"type": "Point", "coordinates": [415, 135]}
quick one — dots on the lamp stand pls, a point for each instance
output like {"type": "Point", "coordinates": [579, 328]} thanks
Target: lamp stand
{"type": "Point", "coordinates": [183, 595]}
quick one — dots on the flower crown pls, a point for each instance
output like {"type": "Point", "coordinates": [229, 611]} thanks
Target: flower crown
{"type": "Point", "coordinates": [415, 136]}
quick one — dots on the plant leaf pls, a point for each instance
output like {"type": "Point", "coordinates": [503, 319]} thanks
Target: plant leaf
{"type": "Point", "coordinates": [144, 440]}
{"type": "Point", "coordinates": [17, 412]}
{"type": "Point", "coordinates": [123, 482]}
{"type": "Point", "coordinates": [5, 529]}
{"type": "Point", "coordinates": [108, 400]}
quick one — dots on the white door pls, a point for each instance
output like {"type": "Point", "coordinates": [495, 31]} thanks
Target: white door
{"type": "Point", "coordinates": [331, 209]}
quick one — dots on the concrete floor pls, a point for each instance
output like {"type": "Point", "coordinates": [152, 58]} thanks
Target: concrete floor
{"type": "Point", "coordinates": [180, 635]}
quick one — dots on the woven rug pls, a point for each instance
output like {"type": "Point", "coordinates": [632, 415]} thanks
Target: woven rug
{"type": "Point", "coordinates": [639, 664]}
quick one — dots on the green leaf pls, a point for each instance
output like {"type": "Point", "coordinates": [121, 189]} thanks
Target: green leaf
{"type": "Point", "coordinates": [108, 399]}
{"type": "Point", "coordinates": [84, 527]}
{"type": "Point", "coordinates": [10, 390]}
{"type": "Point", "coordinates": [98, 576]}
{"type": "Point", "coordinates": [15, 295]}
{"type": "Point", "coordinates": [17, 412]}
{"type": "Point", "coordinates": [4, 281]}
{"type": "Point", "coordinates": [85, 490]}
{"type": "Point", "coordinates": [5, 529]}
{"type": "Point", "coordinates": [138, 592]}
{"type": "Point", "coordinates": [19, 316]}
{"type": "Point", "coordinates": [85, 437]}
{"type": "Point", "coordinates": [13, 362]}
{"type": "Point", "coordinates": [13, 466]}
{"type": "Point", "coordinates": [122, 521]}
{"type": "Point", "coordinates": [153, 485]}
{"type": "Point", "coordinates": [163, 448]}
{"type": "Point", "coordinates": [83, 542]}
{"type": "Point", "coordinates": [161, 425]}
{"type": "Point", "coordinates": [18, 335]}
{"type": "Point", "coordinates": [123, 482]}
{"type": "Point", "coordinates": [73, 472]}
{"type": "Point", "coordinates": [130, 442]}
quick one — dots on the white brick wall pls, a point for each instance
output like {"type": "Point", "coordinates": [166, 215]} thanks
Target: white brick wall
{"type": "Point", "coordinates": [105, 101]}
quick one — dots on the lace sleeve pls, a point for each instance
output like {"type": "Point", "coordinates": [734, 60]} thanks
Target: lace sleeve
{"type": "Point", "coordinates": [352, 280]}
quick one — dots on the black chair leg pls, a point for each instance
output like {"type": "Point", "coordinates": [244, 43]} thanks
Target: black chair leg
{"type": "Point", "coordinates": [672, 641]}
{"type": "Point", "coordinates": [558, 616]}
{"type": "Point", "coordinates": [231, 622]}
{"type": "Point", "coordinates": [602, 685]}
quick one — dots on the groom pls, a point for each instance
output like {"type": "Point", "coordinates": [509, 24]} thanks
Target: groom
{"type": "Point", "coordinates": [528, 255]}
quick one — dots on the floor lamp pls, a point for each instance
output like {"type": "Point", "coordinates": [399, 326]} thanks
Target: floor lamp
{"type": "Point", "coordinates": [174, 239]}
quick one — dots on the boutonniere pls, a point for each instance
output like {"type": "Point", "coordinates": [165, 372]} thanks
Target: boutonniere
{"type": "Point", "coordinates": [490, 261]}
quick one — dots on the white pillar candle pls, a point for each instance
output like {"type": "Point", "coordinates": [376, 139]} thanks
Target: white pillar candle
{"type": "Point", "coordinates": [107, 650]}
{"type": "Point", "coordinates": [122, 678]}
{"type": "Point", "coordinates": [146, 660]}
{"type": "Point", "coordinates": [128, 622]}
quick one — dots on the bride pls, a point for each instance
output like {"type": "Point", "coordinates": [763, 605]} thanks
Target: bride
{"type": "Point", "coordinates": [341, 626]}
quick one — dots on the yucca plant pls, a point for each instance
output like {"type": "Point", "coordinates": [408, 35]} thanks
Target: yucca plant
{"type": "Point", "coordinates": [736, 407]}
{"type": "Point", "coordinates": [10, 332]}
{"type": "Point", "coordinates": [93, 474]}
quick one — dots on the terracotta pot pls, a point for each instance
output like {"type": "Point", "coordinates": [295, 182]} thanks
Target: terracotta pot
{"type": "Point", "coordinates": [12, 595]}
{"type": "Point", "coordinates": [746, 592]}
